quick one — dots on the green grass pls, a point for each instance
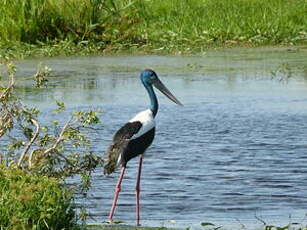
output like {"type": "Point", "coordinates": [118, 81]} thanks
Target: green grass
{"type": "Point", "coordinates": [153, 26]}
{"type": "Point", "coordinates": [36, 202]}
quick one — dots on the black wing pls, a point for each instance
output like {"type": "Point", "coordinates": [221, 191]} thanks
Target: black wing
{"type": "Point", "coordinates": [120, 142]}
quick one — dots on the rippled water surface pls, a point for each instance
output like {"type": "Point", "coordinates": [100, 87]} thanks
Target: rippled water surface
{"type": "Point", "coordinates": [236, 150]}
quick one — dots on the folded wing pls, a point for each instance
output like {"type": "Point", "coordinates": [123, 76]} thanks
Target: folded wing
{"type": "Point", "coordinates": [121, 140]}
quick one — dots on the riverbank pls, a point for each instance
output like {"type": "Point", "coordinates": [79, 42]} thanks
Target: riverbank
{"type": "Point", "coordinates": [125, 227]}
{"type": "Point", "coordinates": [15, 51]}
{"type": "Point", "coordinates": [46, 28]}
{"type": "Point", "coordinates": [205, 226]}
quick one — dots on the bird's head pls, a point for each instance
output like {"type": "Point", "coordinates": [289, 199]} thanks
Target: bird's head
{"type": "Point", "coordinates": [149, 78]}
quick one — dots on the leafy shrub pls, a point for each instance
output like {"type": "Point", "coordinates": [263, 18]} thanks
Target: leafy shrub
{"type": "Point", "coordinates": [29, 201]}
{"type": "Point", "coordinates": [36, 159]}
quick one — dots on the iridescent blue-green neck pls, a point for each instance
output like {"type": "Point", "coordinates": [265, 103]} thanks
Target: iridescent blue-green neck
{"type": "Point", "coordinates": [154, 106]}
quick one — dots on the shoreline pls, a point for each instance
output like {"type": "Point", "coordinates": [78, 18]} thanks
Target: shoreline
{"type": "Point", "coordinates": [20, 51]}
{"type": "Point", "coordinates": [83, 27]}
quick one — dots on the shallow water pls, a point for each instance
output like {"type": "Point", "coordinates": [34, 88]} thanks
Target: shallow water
{"type": "Point", "coordinates": [236, 150]}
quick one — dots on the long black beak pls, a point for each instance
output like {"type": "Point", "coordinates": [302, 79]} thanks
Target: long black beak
{"type": "Point", "coordinates": [160, 86]}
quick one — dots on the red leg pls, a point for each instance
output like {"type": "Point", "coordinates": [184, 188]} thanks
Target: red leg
{"type": "Point", "coordinates": [116, 193]}
{"type": "Point", "coordinates": [137, 191]}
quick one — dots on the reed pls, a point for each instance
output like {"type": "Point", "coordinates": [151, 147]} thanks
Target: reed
{"type": "Point", "coordinates": [158, 24]}
{"type": "Point", "coordinates": [271, 21]}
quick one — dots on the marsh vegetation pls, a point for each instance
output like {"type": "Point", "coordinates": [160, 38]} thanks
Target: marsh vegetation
{"type": "Point", "coordinates": [50, 27]}
{"type": "Point", "coordinates": [36, 158]}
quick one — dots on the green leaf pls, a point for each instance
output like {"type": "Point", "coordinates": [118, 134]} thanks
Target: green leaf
{"type": "Point", "coordinates": [61, 107]}
{"type": "Point", "coordinates": [27, 132]}
{"type": "Point", "coordinates": [54, 123]}
{"type": "Point", "coordinates": [206, 224]}
{"type": "Point", "coordinates": [283, 228]}
{"type": "Point", "coordinates": [45, 129]}
{"type": "Point", "coordinates": [116, 221]}
{"type": "Point", "coordinates": [16, 145]}
{"type": "Point", "coordinates": [269, 227]}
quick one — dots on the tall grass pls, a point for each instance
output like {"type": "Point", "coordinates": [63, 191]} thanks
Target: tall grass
{"type": "Point", "coordinates": [157, 23]}
{"type": "Point", "coordinates": [199, 21]}
{"type": "Point", "coordinates": [42, 20]}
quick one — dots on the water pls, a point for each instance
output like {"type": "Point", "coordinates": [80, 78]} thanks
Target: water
{"type": "Point", "coordinates": [236, 150]}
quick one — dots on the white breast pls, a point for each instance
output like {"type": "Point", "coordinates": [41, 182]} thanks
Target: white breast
{"type": "Point", "coordinates": [147, 120]}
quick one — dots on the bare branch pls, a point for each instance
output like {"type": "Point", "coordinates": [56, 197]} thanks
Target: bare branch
{"type": "Point", "coordinates": [29, 144]}
{"type": "Point", "coordinates": [30, 158]}
{"type": "Point", "coordinates": [12, 162]}
{"type": "Point", "coordinates": [53, 148]}
{"type": "Point", "coordinates": [9, 87]}
{"type": "Point", "coordinates": [60, 137]}
{"type": "Point", "coordinates": [262, 221]}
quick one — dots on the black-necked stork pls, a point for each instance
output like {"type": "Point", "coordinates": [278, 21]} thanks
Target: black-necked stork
{"type": "Point", "coordinates": [135, 137]}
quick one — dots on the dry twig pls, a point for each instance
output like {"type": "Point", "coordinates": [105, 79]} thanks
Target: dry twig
{"type": "Point", "coordinates": [8, 88]}
{"type": "Point", "coordinates": [29, 144]}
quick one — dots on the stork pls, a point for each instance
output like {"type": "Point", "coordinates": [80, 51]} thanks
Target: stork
{"type": "Point", "coordinates": [135, 137]}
